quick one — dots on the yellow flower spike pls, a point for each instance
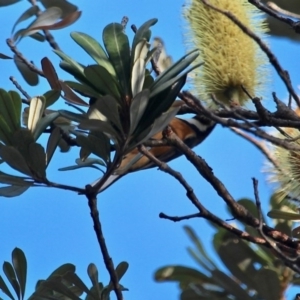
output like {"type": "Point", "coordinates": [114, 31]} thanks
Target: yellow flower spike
{"type": "Point", "coordinates": [287, 175]}
{"type": "Point", "coordinates": [231, 58]}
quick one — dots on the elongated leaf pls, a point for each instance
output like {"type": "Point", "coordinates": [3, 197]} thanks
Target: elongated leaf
{"type": "Point", "coordinates": [142, 33]}
{"type": "Point", "coordinates": [137, 76]}
{"type": "Point", "coordinates": [64, 5]}
{"type": "Point", "coordinates": [108, 106]}
{"type": "Point", "coordinates": [137, 108]}
{"type": "Point", "coordinates": [13, 191]}
{"type": "Point", "coordinates": [82, 89]}
{"type": "Point", "coordinates": [38, 161]}
{"type": "Point", "coordinates": [4, 288]}
{"type": "Point", "coordinates": [100, 126]}
{"type": "Point", "coordinates": [20, 266]}
{"type": "Point", "coordinates": [117, 46]}
{"type": "Point", "coordinates": [50, 74]}
{"type": "Point", "coordinates": [176, 68]}
{"type": "Point", "coordinates": [36, 110]}
{"type": "Point", "coordinates": [11, 276]}
{"type": "Point", "coordinates": [59, 287]}
{"type": "Point", "coordinates": [70, 96]}
{"type": "Point", "coordinates": [88, 163]}
{"type": "Point", "coordinates": [78, 69]}
{"type": "Point", "coordinates": [14, 159]}
{"type": "Point", "coordinates": [165, 84]}
{"type": "Point", "coordinates": [52, 144]}
{"type": "Point", "coordinates": [30, 77]}
{"type": "Point", "coordinates": [101, 79]}
{"type": "Point", "coordinates": [51, 97]}
{"type": "Point", "coordinates": [195, 239]}
{"type": "Point", "coordinates": [159, 124]}
{"type": "Point", "coordinates": [121, 269]}
{"type": "Point", "coordinates": [93, 274]}
{"type": "Point", "coordinates": [268, 284]}
{"type": "Point", "coordinates": [31, 11]}
{"type": "Point", "coordinates": [4, 56]}
{"type": "Point", "coordinates": [230, 285]}
{"type": "Point", "coordinates": [182, 274]}
{"type": "Point", "coordinates": [43, 123]}
{"type": "Point", "coordinates": [10, 108]}
{"type": "Point", "coordinates": [96, 143]}
{"type": "Point", "coordinates": [279, 214]}
{"type": "Point", "coordinates": [46, 18]}
{"type": "Point", "coordinates": [73, 116]}
{"type": "Point", "coordinates": [8, 2]}
{"type": "Point", "coordinates": [5, 132]}
{"type": "Point", "coordinates": [14, 180]}
{"type": "Point", "coordinates": [95, 50]}
{"type": "Point", "coordinates": [76, 281]}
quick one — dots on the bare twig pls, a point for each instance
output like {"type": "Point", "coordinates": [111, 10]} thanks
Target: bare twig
{"type": "Point", "coordinates": [18, 86]}
{"type": "Point", "coordinates": [92, 201]}
{"type": "Point", "coordinates": [31, 66]}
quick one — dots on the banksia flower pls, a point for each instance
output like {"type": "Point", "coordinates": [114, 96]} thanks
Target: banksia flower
{"type": "Point", "coordinates": [231, 58]}
{"type": "Point", "coordinates": [286, 175]}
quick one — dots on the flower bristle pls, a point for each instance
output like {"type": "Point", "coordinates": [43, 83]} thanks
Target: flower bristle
{"type": "Point", "coordinates": [231, 58]}
{"type": "Point", "coordinates": [286, 175]}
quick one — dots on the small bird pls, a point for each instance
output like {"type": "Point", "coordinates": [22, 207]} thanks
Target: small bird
{"type": "Point", "coordinates": [191, 131]}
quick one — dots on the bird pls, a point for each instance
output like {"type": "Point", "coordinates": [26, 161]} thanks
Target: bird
{"type": "Point", "coordinates": [192, 132]}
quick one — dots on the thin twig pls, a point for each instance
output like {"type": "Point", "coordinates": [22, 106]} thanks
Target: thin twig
{"type": "Point", "coordinates": [18, 86]}
{"type": "Point", "coordinates": [92, 201]}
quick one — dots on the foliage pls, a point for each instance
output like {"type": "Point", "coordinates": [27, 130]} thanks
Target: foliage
{"type": "Point", "coordinates": [63, 283]}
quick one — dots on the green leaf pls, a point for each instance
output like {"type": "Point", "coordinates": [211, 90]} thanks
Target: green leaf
{"type": "Point", "coordinates": [158, 125]}
{"type": "Point", "coordinates": [5, 132]}
{"type": "Point", "coordinates": [230, 285]}
{"type": "Point", "coordinates": [30, 12]}
{"type": "Point", "coordinates": [268, 284]}
{"type": "Point", "coordinates": [183, 275]}
{"type": "Point", "coordinates": [10, 108]}
{"type": "Point", "coordinates": [70, 96]}
{"type": "Point", "coordinates": [137, 108]}
{"type": "Point", "coordinates": [4, 287]}
{"type": "Point", "coordinates": [93, 274]}
{"type": "Point", "coordinates": [13, 190]}
{"type": "Point", "coordinates": [51, 97]}
{"type": "Point", "coordinates": [82, 89]}
{"type": "Point", "coordinates": [11, 277]}
{"type": "Point", "coordinates": [14, 180]}
{"type": "Point", "coordinates": [38, 161]}
{"type": "Point", "coordinates": [36, 110]}
{"type": "Point", "coordinates": [117, 46]}
{"type": "Point", "coordinates": [14, 159]}
{"type": "Point", "coordinates": [64, 5]}
{"type": "Point", "coordinates": [8, 2]}
{"type": "Point", "coordinates": [59, 287]}
{"type": "Point", "coordinates": [32, 78]}
{"type": "Point", "coordinates": [101, 126]}
{"type": "Point", "coordinates": [108, 106]}
{"type": "Point", "coordinates": [137, 76]}
{"type": "Point", "coordinates": [95, 50]}
{"type": "Point", "coordinates": [142, 33]}
{"type": "Point", "coordinates": [43, 123]}
{"type": "Point", "coordinates": [195, 239]}
{"type": "Point", "coordinates": [52, 144]}
{"type": "Point", "coordinates": [73, 116]}
{"type": "Point", "coordinates": [279, 214]}
{"type": "Point", "coordinates": [121, 269]}
{"type": "Point", "coordinates": [96, 143]}
{"type": "Point", "coordinates": [102, 80]}
{"type": "Point", "coordinates": [20, 265]}
{"type": "Point", "coordinates": [88, 163]}
{"type": "Point", "coordinates": [176, 68]}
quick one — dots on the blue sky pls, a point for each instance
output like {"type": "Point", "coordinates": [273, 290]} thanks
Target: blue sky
{"type": "Point", "coordinates": [54, 227]}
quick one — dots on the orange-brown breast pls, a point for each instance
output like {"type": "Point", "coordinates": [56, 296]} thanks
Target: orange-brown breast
{"type": "Point", "coordinates": [165, 153]}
